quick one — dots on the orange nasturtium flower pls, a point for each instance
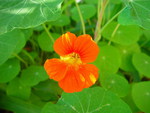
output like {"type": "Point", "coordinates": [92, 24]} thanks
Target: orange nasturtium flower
{"type": "Point", "coordinates": [72, 71]}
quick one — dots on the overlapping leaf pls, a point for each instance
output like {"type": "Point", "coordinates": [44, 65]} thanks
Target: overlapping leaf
{"type": "Point", "coordinates": [136, 12]}
{"type": "Point", "coordinates": [94, 100]}
{"type": "Point", "coordinates": [27, 13]}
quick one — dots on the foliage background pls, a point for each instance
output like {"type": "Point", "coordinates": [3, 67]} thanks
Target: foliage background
{"type": "Point", "coordinates": [28, 29]}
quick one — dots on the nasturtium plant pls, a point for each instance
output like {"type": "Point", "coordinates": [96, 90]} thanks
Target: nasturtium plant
{"type": "Point", "coordinates": [33, 75]}
{"type": "Point", "coordinates": [141, 95]}
{"type": "Point", "coordinates": [74, 56]}
{"type": "Point", "coordinates": [45, 42]}
{"type": "Point", "coordinates": [17, 89]}
{"type": "Point", "coordinates": [116, 84]}
{"type": "Point", "coordinates": [9, 70]}
{"type": "Point", "coordinates": [126, 56]}
{"type": "Point", "coordinates": [136, 12]}
{"type": "Point", "coordinates": [18, 14]}
{"type": "Point", "coordinates": [8, 44]}
{"type": "Point", "coordinates": [141, 62]}
{"type": "Point", "coordinates": [124, 35]}
{"type": "Point", "coordinates": [87, 11]}
{"type": "Point", "coordinates": [109, 60]}
{"type": "Point", "coordinates": [96, 100]}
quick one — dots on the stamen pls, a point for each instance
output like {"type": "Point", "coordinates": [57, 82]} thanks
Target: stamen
{"type": "Point", "coordinates": [72, 58]}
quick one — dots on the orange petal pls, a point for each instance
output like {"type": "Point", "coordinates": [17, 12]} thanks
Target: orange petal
{"type": "Point", "coordinates": [72, 82]}
{"type": "Point", "coordinates": [64, 44]}
{"type": "Point", "coordinates": [55, 68]}
{"type": "Point", "coordinates": [90, 73]}
{"type": "Point", "coordinates": [86, 48]}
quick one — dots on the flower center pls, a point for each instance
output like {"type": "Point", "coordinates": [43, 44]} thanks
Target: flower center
{"type": "Point", "coordinates": [72, 58]}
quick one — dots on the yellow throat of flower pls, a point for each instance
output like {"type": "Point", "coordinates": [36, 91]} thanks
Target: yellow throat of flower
{"type": "Point", "coordinates": [72, 58]}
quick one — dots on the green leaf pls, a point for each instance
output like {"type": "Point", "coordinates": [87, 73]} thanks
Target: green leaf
{"type": "Point", "coordinates": [125, 35]}
{"type": "Point", "coordinates": [16, 89]}
{"type": "Point", "coordinates": [126, 56]}
{"type": "Point", "coordinates": [27, 14]}
{"type": "Point", "coordinates": [63, 20]}
{"type": "Point", "coordinates": [91, 1]}
{"type": "Point", "coordinates": [108, 60]}
{"type": "Point", "coordinates": [116, 84]}
{"type": "Point", "coordinates": [20, 44]}
{"type": "Point", "coordinates": [8, 44]}
{"type": "Point", "coordinates": [47, 90]}
{"type": "Point", "coordinates": [96, 100]}
{"type": "Point", "coordinates": [87, 12]}
{"type": "Point", "coordinates": [27, 33]}
{"type": "Point", "coordinates": [17, 105]}
{"type": "Point", "coordinates": [141, 96]}
{"type": "Point", "coordinates": [33, 75]}
{"type": "Point", "coordinates": [9, 70]}
{"type": "Point", "coordinates": [136, 12]}
{"type": "Point", "coordinates": [45, 42]}
{"type": "Point", "coordinates": [141, 62]}
{"type": "Point", "coordinates": [116, 1]}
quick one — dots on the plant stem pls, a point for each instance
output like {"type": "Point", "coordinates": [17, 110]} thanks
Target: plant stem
{"type": "Point", "coordinates": [29, 56]}
{"type": "Point", "coordinates": [103, 4]}
{"type": "Point", "coordinates": [111, 20]}
{"type": "Point", "coordinates": [17, 56]}
{"type": "Point", "coordinates": [66, 4]}
{"type": "Point", "coordinates": [81, 17]}
{"type": "Point", "coordinates": [113, 33]}
{"type": "Point", "coordinates": [48, 33]}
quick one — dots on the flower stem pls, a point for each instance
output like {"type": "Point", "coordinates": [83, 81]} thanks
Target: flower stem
{"type": "Point", "coordinates": [97, 35]}
{"type": "Point", "coordinates": [18, 57]}
{"type": "Point", "coordinates": [113, 34]}
{"type": "Point", "coordinates": [108, 23]}
{"type": "Point", "coordinates": [81, 17]}
{"type": "Point", "coordinates": [48, 33]}
{"type": "Point", "coordinates": [29, 56]}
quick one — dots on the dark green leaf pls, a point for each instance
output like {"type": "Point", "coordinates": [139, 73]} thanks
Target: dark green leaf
{"type": "Point", "coordinates": [17, 105]}
{"type": "Point", "coordinates": [16, 89]}
{"type": "Point", "coordinates": [33, 75]}
{"type": "Point", "coordinates": [9, 70]}
{"type": "Point", "coordinates": [8, 44]}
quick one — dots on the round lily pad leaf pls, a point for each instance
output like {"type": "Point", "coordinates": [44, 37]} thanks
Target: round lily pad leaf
{"type": "Point", "coordinates": [125, 35]}
{"type": "Point", "coordinates": [87, 12]}
{"type": "Point", "coordinates": [16, 89]}
{"type": "Point", "coordinates": [141, 95]}
{"type": "Point", "coordinates": [126, 56]}
{"type": "Point", "coordinates": [116, 84]}
{"type": "Point", "coordinates": [92, 100]}
{"type": "Point", "coordinates": [63, 20]}
{"type": "Point", "coordinates": [141, 62]}
{"type": "Point", "coordinates": [45, 42]}
{"type": "Point", "coordinates": [9, 70]}
{"type": "Point", "coordinates": [33, 75]}
{"type": "Point", "coordinates": [108, 60]}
